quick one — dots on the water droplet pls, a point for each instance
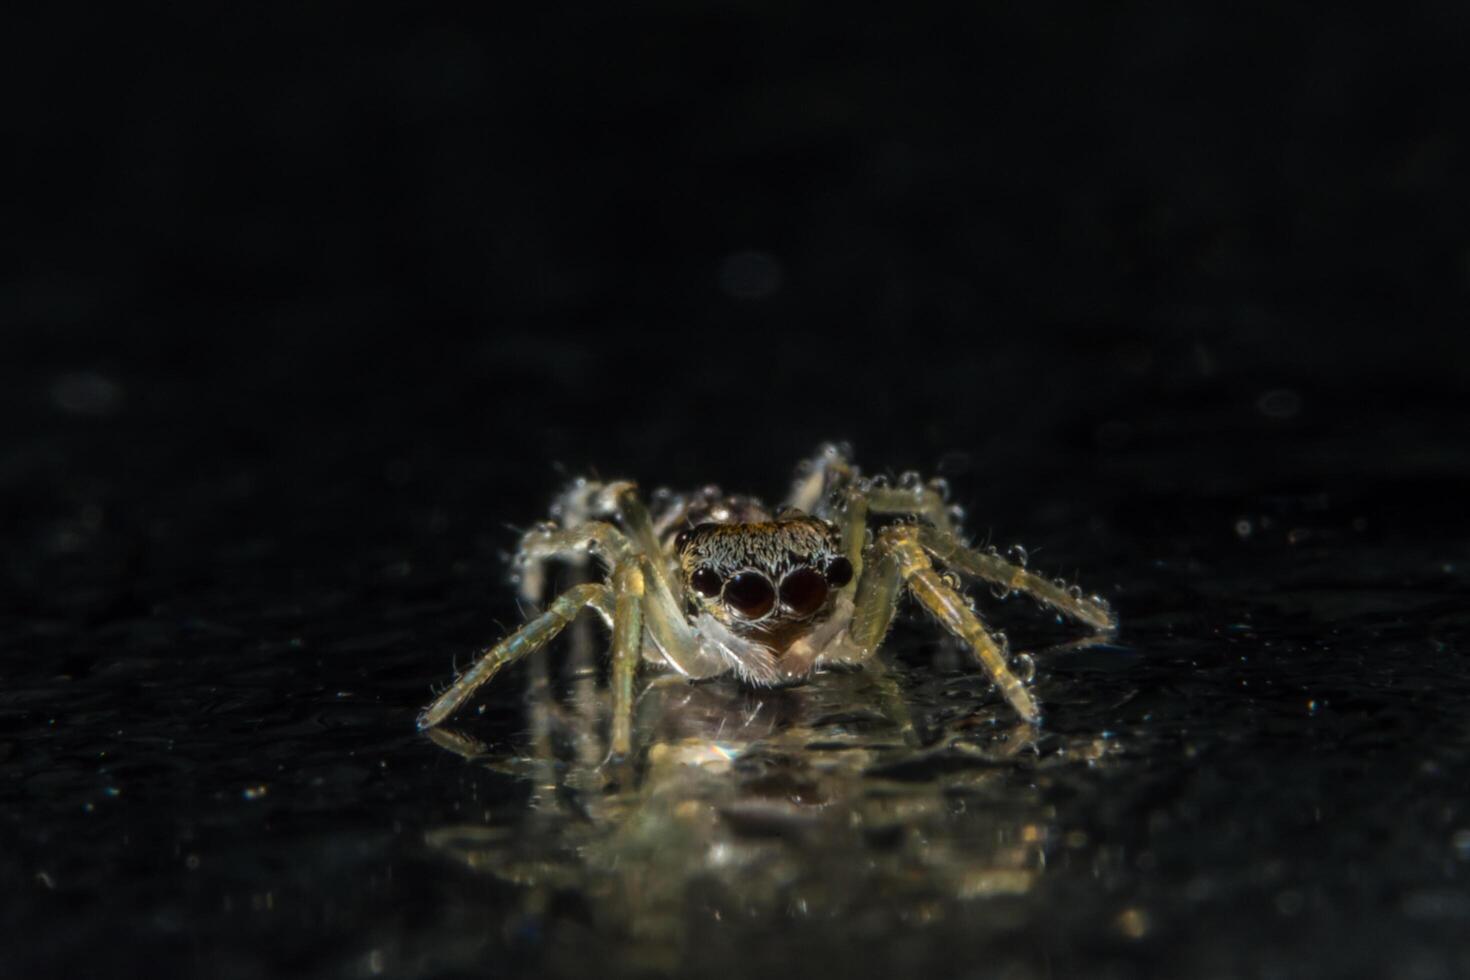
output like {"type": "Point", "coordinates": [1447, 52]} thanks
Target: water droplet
{"type": "Point", "coordinates": [1017, 555]}
{"type": "Point", "coordinates": [1243, 528]}
{"type": "Point", "coordinates": [879, 482]}
{"type": "Point", "coordinates": [1075, 591]}
{"type": "Point", "coordinates": [910, 480]}
{"type": "Point", "coordinates": [1000, 591]}
{"type": "Point", "coordinates": [940, 486]}
{"type": "Point", "coordinates": [1025, 667]}
{"type": "Point", "coordinates": [952, 580]}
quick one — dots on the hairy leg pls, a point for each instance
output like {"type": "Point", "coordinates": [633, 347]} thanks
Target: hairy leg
{"type": "Point", "coordinates": [996, 570]}
{"type": "Point", "coordinates": [816, 477]}
{"type": "Point", "coordinates": [627, 647]}
{"type": "Point", "coordinates": [874, 604]}
{"type": "Point", "coordinates": [951, 609]}
{"type": "Point", "coordinates": [527, 640]}
{"type": "Point", "coordinates": [923, 500]}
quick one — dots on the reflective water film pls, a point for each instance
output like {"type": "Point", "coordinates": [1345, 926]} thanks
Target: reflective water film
{"type": "Point", "coordinates": [1263, 773]}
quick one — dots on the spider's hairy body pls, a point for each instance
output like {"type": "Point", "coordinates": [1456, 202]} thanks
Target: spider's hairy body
{"type": "Point", "coordinates": [708, 584]}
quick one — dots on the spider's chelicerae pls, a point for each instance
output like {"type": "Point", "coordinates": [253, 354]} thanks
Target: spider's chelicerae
{"type": "Point", "coordinates": [707, 584]}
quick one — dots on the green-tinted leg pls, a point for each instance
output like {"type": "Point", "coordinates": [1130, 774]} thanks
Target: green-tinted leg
{"type": "Point", "coordinates": [854, 522]}
{"type": "Point", "coordinates": [991, 568]}
{"type": "Point", "coordinates": [874, 605]}
{"type": "Point", "coordinates": [526, 640]}
{"type": "Point", "coordinates": [951, 609]}
{"type": "Point", "coordinates": [627, 648]}
{"type": "Point", "coordinates": [816, 479]}
{"type": "Point", "coordinates": [924, 501]}
{"type": "Point", "coordinates": [663, 612]}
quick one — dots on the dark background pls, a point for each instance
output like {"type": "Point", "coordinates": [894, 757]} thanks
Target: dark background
{"type": "Point", "coordinates": [304, 311]}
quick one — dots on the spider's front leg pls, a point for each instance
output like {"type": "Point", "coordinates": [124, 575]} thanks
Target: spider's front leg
{"type": "Point", "coordinates": [523, 642]}
{"type": "Point", "coordinates": [899, 556]}
{"type": "Point", "coordinates": [896, 561]}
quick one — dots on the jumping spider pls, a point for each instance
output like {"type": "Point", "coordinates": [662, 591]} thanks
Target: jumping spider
{"type": "Point", "coordinates": [709, 584]}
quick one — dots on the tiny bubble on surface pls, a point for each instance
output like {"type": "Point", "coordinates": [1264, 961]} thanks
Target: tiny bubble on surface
{"type": "Point", "coordinates": [1026, 667]}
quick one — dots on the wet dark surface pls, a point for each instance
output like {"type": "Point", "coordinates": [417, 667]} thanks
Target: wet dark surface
{"type": "Point", "coordinates": [298, 337]}
{"type": "Point", "coordinates": [211, 766]}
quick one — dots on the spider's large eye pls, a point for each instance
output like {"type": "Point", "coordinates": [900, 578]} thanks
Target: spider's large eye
{"type": "Point", "coordinates": [750, 594]}
{"type": "Point", "coordinates": [804, 591]}
{"type": "Point", "coordinates": [839, 572]}
{"type": "Point", "coordinates": [706, 581]}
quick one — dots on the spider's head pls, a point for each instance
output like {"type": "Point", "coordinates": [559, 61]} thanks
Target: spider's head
{"type": "Point", "coordinates": [771, 580]}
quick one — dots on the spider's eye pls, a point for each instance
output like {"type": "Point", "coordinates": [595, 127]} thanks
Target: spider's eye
{"type": "Point", "coordinates": [750, 595]}
{"type": "Point", "coordinates": [804, 591]}
{"type": "Point", "coordinates": [839, 572]}
{"type": "Point", "coordinates": [706, 581]}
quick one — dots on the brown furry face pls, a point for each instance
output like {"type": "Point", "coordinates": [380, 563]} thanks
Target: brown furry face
{"type": "Point", "coordinates": [763, 578]}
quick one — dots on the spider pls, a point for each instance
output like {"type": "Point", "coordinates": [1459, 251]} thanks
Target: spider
{"type": "Point", "coordinates": [707, 584]}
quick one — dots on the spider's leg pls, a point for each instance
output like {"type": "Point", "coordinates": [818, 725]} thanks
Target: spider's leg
{"type": "Point", "coordinates": [548, 542]}
{"type": "Point", "coordinates": [816, 477]}
{"type": "Point", "coordinates": [524, 641]}
{"type": "Point", "coordinates": [924, 501]}
{"type": "Point", "coordinates": [627, 647]}
{"type": "Point", "coordinates": [858, 502]}
{"type": "Point", "coordinates": [582, 539]}
{"type": "Point", "coordinates": [873, 606]}
{"type": "Point", "coordinates": [951, 609]}
{"type": "Point", "coordinates": [895, 705]}
{"type": "Point", "coordinates": [663, 602]}
{"type": "Point", "coordinates": [996, 570]}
